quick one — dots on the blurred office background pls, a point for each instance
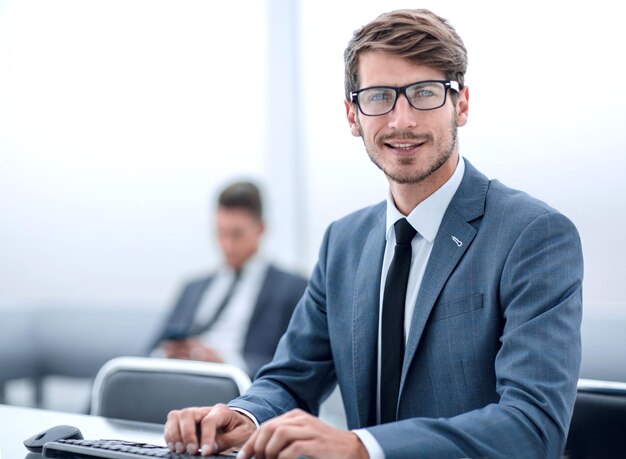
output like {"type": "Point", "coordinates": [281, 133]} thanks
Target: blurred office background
{"type": "Point", "coordinates": [119, 121]}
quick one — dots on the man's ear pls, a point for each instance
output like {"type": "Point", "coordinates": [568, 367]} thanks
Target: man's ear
{"type": "Point", "coordinates": [462, 106]}
{"type": "Point", "coordinates": [351, 115]}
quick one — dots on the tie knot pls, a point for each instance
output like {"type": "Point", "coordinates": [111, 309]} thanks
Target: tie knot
{"type": "Point", "coordinates": [404, 231]}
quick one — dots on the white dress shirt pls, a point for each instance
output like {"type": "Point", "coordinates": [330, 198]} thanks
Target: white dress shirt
{"type": "Point", "coordinates": [227, 335]}
{"type": "Point", "coordinates": [425, 218]}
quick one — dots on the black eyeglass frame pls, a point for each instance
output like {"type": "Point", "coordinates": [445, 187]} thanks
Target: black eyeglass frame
{"type": "Point", "coordinates": [448, 84]}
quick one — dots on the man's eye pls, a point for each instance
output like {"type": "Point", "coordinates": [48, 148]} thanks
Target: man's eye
{"type": "Point", "coordinates": [380, 97]}
{"type": "Point", "coordinates": [423, 93]}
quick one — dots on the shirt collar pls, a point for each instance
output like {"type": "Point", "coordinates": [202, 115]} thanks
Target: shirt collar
{"type": "Point", "coordinates": [427, 215]}
{"type": "Point", "coordinates": [254, 264]}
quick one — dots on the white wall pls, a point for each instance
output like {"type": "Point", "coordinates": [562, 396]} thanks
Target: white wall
{"type": "Point", "coordinates": [119, 120]}
{"type": "Point", "coordinates": [111, 147]}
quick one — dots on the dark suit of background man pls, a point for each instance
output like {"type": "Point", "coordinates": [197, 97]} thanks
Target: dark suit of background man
{"type": "Point", "coordinates": [489, 325]}
{"type": "Point", "coordinates": [255, 299]}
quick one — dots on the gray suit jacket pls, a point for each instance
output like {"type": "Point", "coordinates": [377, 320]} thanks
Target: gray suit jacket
{"type": "Point", "coordinates": [493, 353]}
{"type": "Point", "coordinates": [277, 299]}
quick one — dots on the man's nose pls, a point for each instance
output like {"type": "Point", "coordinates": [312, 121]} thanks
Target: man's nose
{"type": "Point", "coordinates": [403, 114]}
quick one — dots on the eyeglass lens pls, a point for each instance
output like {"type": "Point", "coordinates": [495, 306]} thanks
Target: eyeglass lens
{"type": "Point", "coordinates": [422, 96]}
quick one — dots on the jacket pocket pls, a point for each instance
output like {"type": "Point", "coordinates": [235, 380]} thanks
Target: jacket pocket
{"type": "Point", "coordinates": [453, 308]}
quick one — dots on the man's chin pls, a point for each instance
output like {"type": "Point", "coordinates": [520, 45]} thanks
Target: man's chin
{"type": "Point", "coordinates": [406, 178]}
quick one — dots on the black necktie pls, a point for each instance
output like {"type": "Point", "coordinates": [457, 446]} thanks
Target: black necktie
{"type": "Point", "coordinates": [392, 333]}
{"type": "Point", "coordinates": [198, 329]}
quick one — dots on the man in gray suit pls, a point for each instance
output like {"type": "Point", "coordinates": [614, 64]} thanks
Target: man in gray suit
{"type": "Point", "coordinates": [237, 313]}
{"type": "Point", "coordinates": [489, 310]}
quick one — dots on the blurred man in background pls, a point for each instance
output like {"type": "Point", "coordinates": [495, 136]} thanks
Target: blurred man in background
{"type": "Point", "coordinates": [237, 313]}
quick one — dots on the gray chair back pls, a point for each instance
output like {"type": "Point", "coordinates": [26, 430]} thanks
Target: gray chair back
{"type": "Point", "coordinates": [147, 389]}
{"type": "Point", "coordinates": [598, 427]}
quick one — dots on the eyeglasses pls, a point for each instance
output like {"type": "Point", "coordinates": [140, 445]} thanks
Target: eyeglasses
{"type": "Point", "coordinates": [423, 95]}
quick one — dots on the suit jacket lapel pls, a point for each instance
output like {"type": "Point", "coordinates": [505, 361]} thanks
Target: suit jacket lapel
{"type": "Point", "coordinates": [453, 238]}
{"type": "Point", "coordinates": [186, 310]}
{"type": "Point", "coordinates": [266, 296]}
{"type": "Point", "coordinates": [365, 322]}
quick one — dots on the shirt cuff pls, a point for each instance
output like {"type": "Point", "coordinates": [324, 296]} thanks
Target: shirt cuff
{"type": "Point", "coordinates": [371, 445]}
{"type": "Point", "coordinates": [248, 414]}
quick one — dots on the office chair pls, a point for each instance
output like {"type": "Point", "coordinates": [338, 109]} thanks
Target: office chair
{"type": "Point", "coordinates": [146, 389]}
{"type": "Point", "coordinates": [598, 427]}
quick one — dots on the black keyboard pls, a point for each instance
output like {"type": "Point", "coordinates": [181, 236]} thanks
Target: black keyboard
{"type": "Point", "coordinates": [112, 449]}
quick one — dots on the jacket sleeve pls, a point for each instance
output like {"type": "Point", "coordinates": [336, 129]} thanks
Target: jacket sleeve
{"type": "Point", "coordinates": [302, 372]}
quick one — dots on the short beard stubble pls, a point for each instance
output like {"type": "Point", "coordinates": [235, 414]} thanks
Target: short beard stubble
{"type": "Point", "coordinates": [443, 155]}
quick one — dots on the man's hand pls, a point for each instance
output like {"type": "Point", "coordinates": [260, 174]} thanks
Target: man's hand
{"type": "Point", "coordinates": [206, 430]}
{"type": "Point", "coordinates": [190, 349]}
{"type": "Point", "coordinates": [296, 434]}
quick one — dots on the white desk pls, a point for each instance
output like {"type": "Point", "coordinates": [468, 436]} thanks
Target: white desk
{"type": "Point", "coordinates": [17, 424]}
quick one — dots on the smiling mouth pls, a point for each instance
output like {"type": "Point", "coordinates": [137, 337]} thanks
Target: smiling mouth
{"type": "Point", "coordinates": [404, 147]}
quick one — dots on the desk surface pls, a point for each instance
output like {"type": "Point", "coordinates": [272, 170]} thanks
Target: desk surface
{"type": "Point", "coordinates": [17, 424]}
